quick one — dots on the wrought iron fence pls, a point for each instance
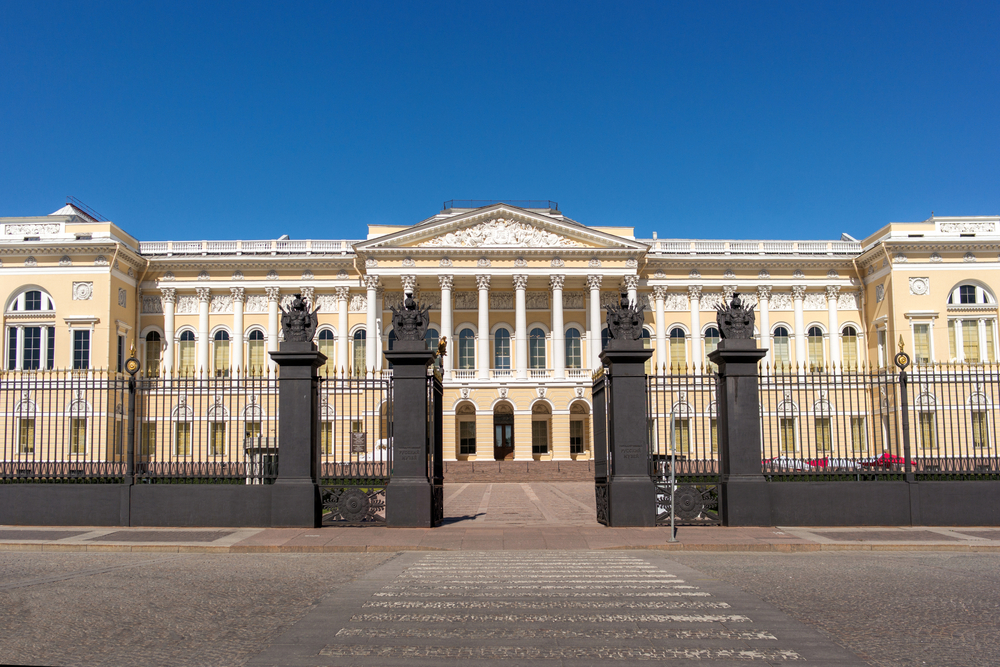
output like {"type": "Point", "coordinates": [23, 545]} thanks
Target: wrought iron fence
{"type": "Point", "coordinates": [682, 413]}
{"type": "Point", "coordinates": [355, 447]}
{"type": "Point", "coordinates": [63, 426]}
{"type": "Point", "coordinates": [211, 430]}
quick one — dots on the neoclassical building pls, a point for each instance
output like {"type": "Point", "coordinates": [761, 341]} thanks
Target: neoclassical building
{"type": "Point", "coordinates": [518, 289]}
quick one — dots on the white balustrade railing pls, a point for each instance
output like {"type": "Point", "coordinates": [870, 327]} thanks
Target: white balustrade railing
{"type": "Point", "coordinates": [289, 247]}
{"type": "Point", "coordinates": [501, 373]}
{"type": "Point", "coordinates": [578, 373]}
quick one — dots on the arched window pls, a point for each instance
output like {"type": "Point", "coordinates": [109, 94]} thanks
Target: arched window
{"type": "Point", "coordinates": [220, 354]}
{"type": "Point", "coordinates": [466, 349]}
{"type": "Point", "coordinates": [501, 350]}
{"type": "Point", "coordinates": [574, 350]}
{"type": "Point", "coordinates": [814, 337]}
{"type": "Point", "coordinates": [153, 344]}
{"type": "Point", "coordinates": [326, 343]}
{"type": "Point", "coordinates": [711, 342]}
{"type": "Point", "coordinates": [973, 338]}
{"type": "Point", "coordinates": [255, 353]}
{"type": "Point", "coordinates": [849, 347]}
{"type": "Point", "coordinates": [185, 354]}
{"type": "Point", "coordinates": [782, 358]}
{"type": "Point", "coordinates": [969, 294]}
{"type": "Point", "coordinates": [536, 348]}
{"type": "Point", "coordinates": [32, 345]}
{"type": "Point", "coordinates": [678, 349]}
{"type": "Point", "coordinates": [360, 344]}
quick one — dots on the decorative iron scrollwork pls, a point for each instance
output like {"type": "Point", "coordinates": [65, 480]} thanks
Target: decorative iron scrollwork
{"type": "Point", "coordinates": [353, 504]}
{"type": "Point", "coordinates": [437, 507]}
{"type": "Point", "coordinates": [694, 505]}
{"type": "Point", "coordinates": [601, 491]}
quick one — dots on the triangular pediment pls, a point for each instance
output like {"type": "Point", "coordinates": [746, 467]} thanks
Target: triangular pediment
{"type": "Point", "coordinates": [499, 226]}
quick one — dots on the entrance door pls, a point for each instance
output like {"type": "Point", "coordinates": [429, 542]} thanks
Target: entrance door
{"type": "Point", "coordinates": [503, 437]}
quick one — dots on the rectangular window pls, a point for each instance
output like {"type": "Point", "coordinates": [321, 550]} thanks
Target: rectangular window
{"type": "Point", "coordinates": [467, 437]}
{"type": "Point", "coordinates": [952, 345]}
{"type": "Point", "coordinates": [221, 358]}
{"type": "Point", "coordinates": [928, 439]}
{"type": "Point", "coordinates": [922, 343]}
{"type": "Point", "coordinates": [682, 435]}
{"type": "Point", "coordinates": [182, 438]}
{"type": "Point", "coordinates": [881, 348]}
{"type": "Point", "coordinates": [81, 349]}
{"type": "Point", "coordinates": [50, 358]}
{"type": "Point", "coordinates": [988, 343]}
{"type": "Point", "coordinates": [858, 435]}
{"type": "Point", "coordinates": [357, 426]}
{"type": "Point", "coordinates": [678, 353]}
{"type": "Point", "coordinates": [12, 348]}
{"type": "Point", "coordinates": [217, 443]}
{"type": "Point", "coordinates": [26, 436]}
{"type": "Point", "coordinates": [540, 437]}
{"type": "Point", "coordinates": [467, 353]}
{"type": "Point", "coordinates": [849, 351]}
{"type": "Point", "coordinates": [326, 438]}
{"type": "Point", "coordinates": [576, 437]}
{"type": "Point", "coordinates": [359, 356]}
{"type": "Point", "coordinates": [147, 443]}
{"type": "Point", "coordinates": [251, 430]}
{"type": "Point", "coordinates": [824, 440]}
{"type": "Point", "coordinates": [786, 428]}
{"type": "Point", "coordinates": [78, 435]}
{"type": "Point", "coordinates": [121, 353]}
{"type": "Point", "coordinates": [574, 356]}
{"type": "Point", "coordinates": [970, 340]}
{"type": "Point", "coordinates": [782, 358]}
{"type": "Point", "coordinates": [32, 353]}
{"type": "Point", "coordinates": [714, 425]}
{"type": "Point", "coordinates": [815, 351]}
{"type": "Point", "coordinates": [980, 435]}
{"type": "Point", "coordinates": [255, 357]}
{"type": "Point", "coordinates": [186, 358]}
{"type": "Point", "coordinates": [501, 352]}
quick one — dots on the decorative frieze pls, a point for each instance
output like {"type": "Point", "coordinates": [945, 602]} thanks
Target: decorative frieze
{"type": "Point", "coordinates": [574, 300]}
{"type": "Point", "coordinates": [814, 301]}
{"type": "Point", "coordinates": [221, 303]}
{"type": "Point", "coordinates": [466, 300]}
{"type": "Point", "coordinates": [675, 302]}
{"type": "Point", "coordinates": [187, 304]}
{"type": "Point", "coordinates": [500, 232]}
{"type": "Point", "coordinates": [536, 300]}
{"type": "Point", "coordinates": [327, 303]}
{"type": "Point", "coordinates": [501, 300]}
{"type": "Point", "coordinates": [849, 301]}
{"type": "Point", "coordinates": [781, 301]}
{"type": "Point", "coordinates": [358, 303]}
{"type": "Point", "coordinates": [31, 229]}
{"type": "Point", "coordinates": [256, 303]}
{"type": "Point", "coordinates": [152, 304]}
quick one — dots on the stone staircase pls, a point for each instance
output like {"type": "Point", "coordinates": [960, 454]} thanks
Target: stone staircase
{"type": "Point", "coordinates": [463, 472]}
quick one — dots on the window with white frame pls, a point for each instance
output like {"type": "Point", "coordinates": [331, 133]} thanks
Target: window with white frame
{"type": "Point", "coordinates": [31, 345]}
{"type": "Point", "coordinates": [782, 354]}
{"type": "Point", "coordinates": [360, 352]}
{"type": "Point", "coordinates": [81, 349]}
{"type": "Point", "coordinates": [152, 354]}
{"type": "Point", "coordinates": [540, 419]}
{"type": "Point", "coordinates": [256, 347]}
{"type": "Point", "coordinates": [501, 349]}
{"type": "Point", "coordinates": [849, 347]}
{"type": "Point", "coordinates": [326, 343]}
{"type": "Point", "coordinates": [574, 349]}
{"type": "Point", "coordinates": [536, 348]}
{"type": "Point", "coordinates": [814, 340]}
{"type": "Point", "coordinates": [921, 342]}
{"type": "Point", "coordinates": [972, 323]}
{"type": "Point", "coordinates": [220, 353]}
{"type": "Point", "coordinates": [466, 349]}
{"type": "Point", "coordinates": [712, 339]}
{"type": "Point", "coordinates": [678, 349]}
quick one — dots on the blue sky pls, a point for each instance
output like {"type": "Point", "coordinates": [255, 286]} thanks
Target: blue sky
{"type": "Point", "coordinates": [705, 119]}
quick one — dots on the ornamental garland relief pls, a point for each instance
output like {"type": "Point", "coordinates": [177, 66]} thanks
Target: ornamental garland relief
{"type": "Point", "coordinates": [500, 232]}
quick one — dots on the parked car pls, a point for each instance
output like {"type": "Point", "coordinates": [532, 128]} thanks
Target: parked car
{"type": "Point", "coordinates": [828, 463]}
{"type": "Point", "coordinates": [885, 460]}
{"type": "Point", "coordinates": [786, 463]}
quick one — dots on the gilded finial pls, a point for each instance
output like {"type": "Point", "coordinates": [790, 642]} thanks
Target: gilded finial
{"type": "Point", "coordinates": [900, 342]}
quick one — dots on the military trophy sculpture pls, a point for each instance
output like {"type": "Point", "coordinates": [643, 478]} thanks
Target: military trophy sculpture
{"type": "Point", "coordinates": [735, 320]}
{"type": "Point", "coordinates": [625, 322]}
{"type": "Point", "coordinates": [298, 325]}
{"type": "Point", "coordinates": [410, 322]}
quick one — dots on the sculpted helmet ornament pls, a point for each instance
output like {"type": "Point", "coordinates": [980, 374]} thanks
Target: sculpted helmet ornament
{"type": "Point", "coordinates": [297, 323]}
{"type": "Point", "coordinates": [410, 322]}
{"type": "Point", "coordinates": [735, 320]}
{"type": "Point", "coordinates": [625, 321]}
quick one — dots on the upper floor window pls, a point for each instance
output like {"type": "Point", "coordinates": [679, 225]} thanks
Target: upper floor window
{"type": "Point", "coordinates": [814, 339]}
{"type": "Point", "coordinates": [360, 351]}
{"type": "Point", "coordinates": [220, 353]}
{"type": "Point", "coordinates": [678, 349]}
{"type": "Point", "coordinates": [970, 294]}
{"type": "Point", "coordinates": [326, 342]}
{"type": "Point", "coordinates": [255, 352]}
{"type": "Point", "coordinates": [186, 354]}
{"type": "Point", "coordinates": [782, 356]}
{"type": "Point", "coordinates": [712, 339]}
{"type": "Point", "coordinates": [31, 345]}
{"type": "Point", "coordinates": [431, 337]}
{"type": "Point", "coordinates": [153, 344]}
{"type": "Point", "coordinates": [536, 348]}
{"type": "Point", "coordinates": [31, 300]}
{"type": "Point", "coordinates": [501, 350]}
{"type": "Point", "coordinates": [574, 356]}
{"type": "Point", "coordinates": [466, 349]}
{"type": "Point", "coordinates": [849, 347]}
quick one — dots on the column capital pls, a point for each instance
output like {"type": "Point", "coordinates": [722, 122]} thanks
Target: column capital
{"type": "Point", "coordinates": [798, 292]}
{"type": "Point", "coordinates": [204, 293]}
{"type": "Point", "coordinates": [659, 293]}
{"type": "Point", "coordinates": [763, 293]}
{"type": "Point", "coordinates": [169, 294]}
{"type": "Point", "coordinates": [371, 282]}
{"type": "Point", "coordinates": [483, 282]}
{"type": "Point", "coordinates": [520, 282]}
{"type": "Point", "coordinates": [273, 293]}
{"type": "Point", "coordinates": [557, 282]}
{"type": "Point", "coordinates": [694, 291]}
{"type": "Point", "coordinates": [728, 291]}
{"type": "Point", "coordinates": [239, 294]}
{"type": "Point", "coordinates": [594, 282]}
{"type": "Point", "coordinates": [832, 291]}
{"type": "Point", "coordinates": [409, 283]}
{"type": "Point", "coordinates": [447, 282]}
{"type": "Point", "coordinates": [308, 293]}
{"type": "Point", "coordinates": [630, 282]}
{"type": "Point", "coordinates": [343, 293]}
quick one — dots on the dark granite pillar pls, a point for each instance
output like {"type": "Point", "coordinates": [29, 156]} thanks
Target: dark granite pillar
{"type": "Point", "coordinates": [630, 490]}
{"type": "Point", "coordinates": [295, 498]}
{"type": "Point", "coordinates": [745, 496]}
{"type": "Point", "coordinates": [409, 501]}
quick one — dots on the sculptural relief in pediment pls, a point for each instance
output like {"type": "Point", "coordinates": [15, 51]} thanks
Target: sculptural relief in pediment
{"type": "Point", "coordinates": [501, 232]}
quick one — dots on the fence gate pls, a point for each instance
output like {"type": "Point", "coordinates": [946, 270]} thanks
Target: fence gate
{"type": "Point", "coordinates": [354, 448]}
{"type": "Point", "coordinates": [688, 402]}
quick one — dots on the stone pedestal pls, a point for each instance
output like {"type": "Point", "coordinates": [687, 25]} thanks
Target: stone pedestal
{"type": "Point", "coordinates": [745, 494]}
{"type": "Point", "coordinates": [631, 494]}
{"type": "Point", "coordinates": [295, 497]}
{"type": "Point", "coordinates": [409, 497]}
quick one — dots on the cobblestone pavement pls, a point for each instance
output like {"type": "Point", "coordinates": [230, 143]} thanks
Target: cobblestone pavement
{"type": "Point", "coordinates": [546, 608]}
{"type": "Point", "coordinates": [902, 608]}
{"type": "Point", "coordinates": [159, 609]}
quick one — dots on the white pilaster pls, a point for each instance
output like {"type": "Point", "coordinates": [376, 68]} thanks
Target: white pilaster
{"type": "Point", "coordinates": [833, 326]}
{"type": "Point", "coordinates": [798, 294]}
{"type": "Point", "coordinates": [558, 335]}
{"type": "Point", "coordinates": [371, 324]}
{"type": "Point", "coordinates": [204, 344]}
{"type": "Point", "coordinates": [169, 329]}
{"type": "Point", "coordinates": [447, 282]}
{"type": "Point", "coordinates": [273, 298]}
{"type": "Point", "coordinates": [343, 348]}
{"type": "Point", "coordinates": [236, 351]}
{"type": "Point", "coordinates": [594, 344]}
{"type": "Point", "coordinates": [483, 283]}
{"type": "Point", "coordinates": [659, 294]}
{"type": "Point", "coordinates": [764, 310]}
{"type": "Point", "coordinates": [694, 292]}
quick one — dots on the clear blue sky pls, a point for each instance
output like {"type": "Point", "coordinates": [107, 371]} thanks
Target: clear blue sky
{"type": "Point", "coordinates": [755, 119]}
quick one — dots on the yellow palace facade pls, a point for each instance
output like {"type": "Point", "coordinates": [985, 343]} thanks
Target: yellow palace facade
{"type": "Point", "coordinates": [517, 288]}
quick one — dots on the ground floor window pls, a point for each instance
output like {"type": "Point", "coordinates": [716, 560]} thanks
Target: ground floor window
{"type": "Point", "coordinates": [182, 438]}
{"type": "Point", "coordinates": [858, 435]}
{"type": "Point", "coordinates": [539, 437]}
{"type": "Point", "coordinates": [927, 431]}
{"type": "Point", "coordinates": [78, 435]}
{"type": "Point", "coordinates": [824, 440]}
{"type": "Point", "coordinates": [576, 437]}
{"type": "Point", "coordinates": [980, 433]}
{"type": "Point", "coordinates": [682, 435]}
{"type": "Point", "coordinates": [217, 442]}
{"type": "Point", "coordinates": [26, 436]}
{"type": "Point", "coordinates": [714, 425]}
{"type": "Point", "coordinates": [786, 430]}
{"type": "Point", "coordinates": [467, 437]}
{"type": "Point", "coordinates": [148, 439]}
{"type": "Point", "coordinates": [326, 438]}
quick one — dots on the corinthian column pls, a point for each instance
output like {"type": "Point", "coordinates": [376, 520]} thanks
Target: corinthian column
{"type": "Point", "coordinates": [483, 283]}
{"type": "Point", "coordinates": [798, 294]}
{"type": "Point", "coordinates": [521, 326]}
{"type": "Point", "coordinates": [832, 291]}
{"type": "Point", "coordinates": [371, 324]}
{"type": "Point", "coordinates": [694, 292]}
{"type": "Point", "coordinates": [764, 310]}
{"type": "Point", "coordinates": [343, 360]}
{"type": "Point", "coordinates": [204, 296]}
{"type": "Point", "coordinates": [558, 335]}
{"type": "Point", "coordinates": [631, 284]}
{"type": "Point", "coordinates": [273, 297]}
{"type": "Point", "coordinates": [169, 301]}
{"type": "Point", "coordinates": [659, 294]}
{"type": "Point", "coordinates": [447, 282]}
{"type": "Point", "coordinates": [594, 335]}
{"type": "Point", "coordinates": [236, 353]}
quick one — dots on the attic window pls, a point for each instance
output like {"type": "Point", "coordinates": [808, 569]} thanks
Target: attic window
{"type": "Point", "coordinates": [32, 238]}
{"type": "Point", "coordinates": [86, 236]}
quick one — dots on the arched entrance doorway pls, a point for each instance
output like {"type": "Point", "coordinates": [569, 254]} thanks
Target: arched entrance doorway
{"type": "Point", "coordinates": [503, 432]}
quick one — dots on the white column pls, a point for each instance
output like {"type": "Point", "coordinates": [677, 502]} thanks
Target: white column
{"type": "Point", "coordinates": [483, 283]}
{"type": "Point", "coordinates": [982, 341]}
{"type": "Point", "coordinates": [594, 344]}
{"type": "Point", "coordinates": [833, 325]}
{"type": "Point", "coordinates": [343, 348]}
{"type": "Point", "coordinates": [694, 291]}
{"type": "Point", "coordinates": [204, 344]}
{"type": "Point", "coordinates": [273, 298]}
{"type": "Point", "coordinates": [764, 309]}
{"type": "Point", "coordinates": [371, 324]}
{"type": "Point", "coordinates": [236, 351]}
{"type": "Point", "coordinates": [169, 300]}
{"type": "Point", "coordinates": [379, 312]}
{"type": "Point", "coordinates": [631, 283]}
{"type": "Point", "coordinates": [799, 293]}
{"type": "Point", "coordinates": [659, 294]}
{"type": "Point", "coordinates": [959, 344]}
{"type": "Point", "coordinates": [447, 282]}
{"type": "Point", "coordinates": [558, 335]}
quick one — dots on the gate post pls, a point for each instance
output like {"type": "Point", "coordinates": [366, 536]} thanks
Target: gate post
{"type": "Point", "coordinates": [744, 493]}
{"type": "Point", "coordinates": [295, 496]}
